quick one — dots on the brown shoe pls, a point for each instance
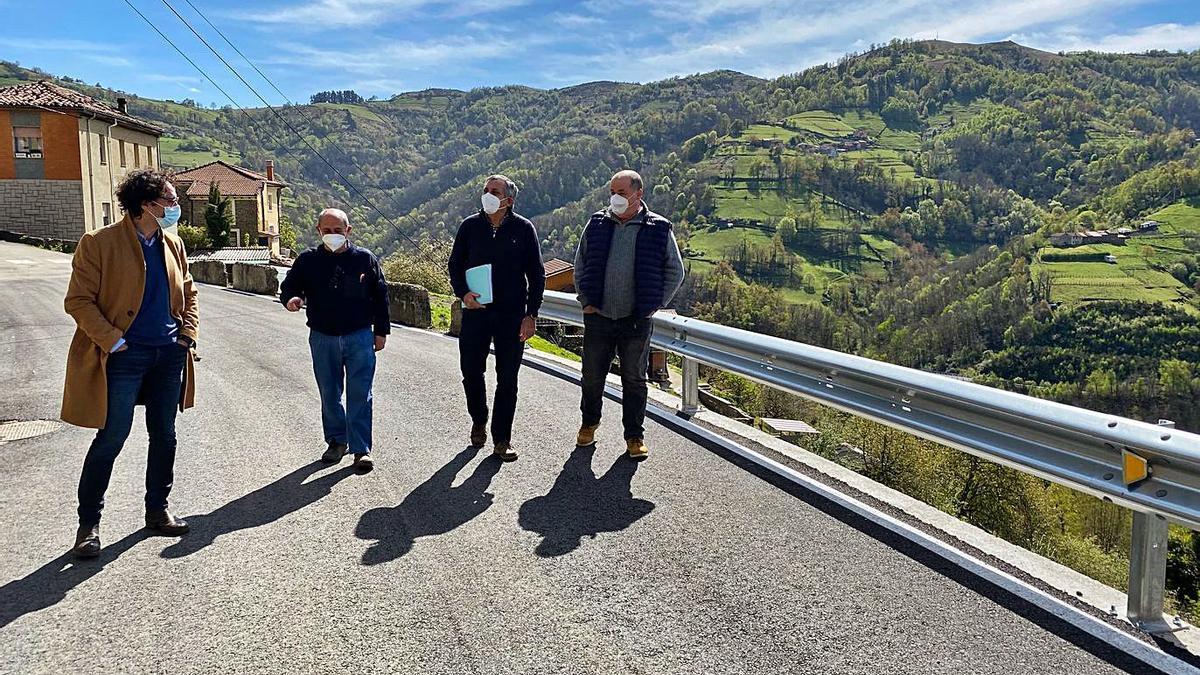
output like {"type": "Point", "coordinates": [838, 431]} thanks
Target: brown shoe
{"type": "Point", "coordinates": [586, 435]}
{"type": "Point", "coordinates": [637, 449]}
{"type": "Point", "coordinates": [478, 435]}
{"type": "Point", "coordinates": [165, 523]}
{"type": "Point", "coordinates": [505, 452]}
{"type": "Point", "coordinates": [87, 542]}
{"type": "Point", "coordinates": [363, 463]}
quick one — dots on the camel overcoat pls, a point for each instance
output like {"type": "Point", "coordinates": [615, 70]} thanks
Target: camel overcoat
{"type": "Point", "coordinates": [108, 277]}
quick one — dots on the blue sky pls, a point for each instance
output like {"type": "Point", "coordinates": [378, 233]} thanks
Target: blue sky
{"type": "Point", "coordinates": [381, 47]}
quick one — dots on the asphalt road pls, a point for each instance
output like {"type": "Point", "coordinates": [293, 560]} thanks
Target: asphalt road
{"type": "Point", "coordinates": [443, 560]}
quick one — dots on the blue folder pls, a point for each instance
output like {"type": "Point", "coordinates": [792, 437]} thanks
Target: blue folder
{"type": "Point", "coordinates": [479, 280]}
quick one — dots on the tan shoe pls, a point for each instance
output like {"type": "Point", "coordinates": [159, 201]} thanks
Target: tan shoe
{"type": "Point", "coordinates": [505, 452]}
{"type": "Point", "coordinates": [586, 435]}
{"type": "Point", "coordinates": [637, 449]}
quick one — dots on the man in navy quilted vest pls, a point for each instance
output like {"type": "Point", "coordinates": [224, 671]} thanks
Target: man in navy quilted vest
{"type": "Point", "coordinates": [627, 267]}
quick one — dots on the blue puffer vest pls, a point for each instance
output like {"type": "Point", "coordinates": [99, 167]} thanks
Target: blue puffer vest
{"type": "Point", "coordinates": [649, 254]}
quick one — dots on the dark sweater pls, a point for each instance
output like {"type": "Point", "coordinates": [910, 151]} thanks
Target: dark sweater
{"type": "Point", "coordinates": [343, 292]}
{"type": "Point", "coordinates": [513, 251]}
{"type": "Point", "coordinates": [154, 326]}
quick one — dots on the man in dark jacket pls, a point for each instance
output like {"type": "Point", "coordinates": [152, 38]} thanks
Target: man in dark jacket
{"type": "Point", "coordinates": [345, 295]}
{"type": "Point", "coordinates": [627, 267]}
{"type": "Point", "coordinates": [508, 242]}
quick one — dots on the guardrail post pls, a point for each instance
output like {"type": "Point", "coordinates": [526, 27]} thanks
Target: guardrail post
{"type": "Point", "coordinates": [691, 386]}
{"type": "Point", "coordinates": [1148, 572]}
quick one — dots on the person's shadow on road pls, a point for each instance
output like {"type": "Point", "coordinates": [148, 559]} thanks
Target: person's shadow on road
{"type": "Point", "coordinates": [265, 505]}
{"type": "Point", "coordinates": [50, 583]}
{"type": "Point", "coordinates": [580, 504]}
{"type": "Point", "coordinates": [432, 508]}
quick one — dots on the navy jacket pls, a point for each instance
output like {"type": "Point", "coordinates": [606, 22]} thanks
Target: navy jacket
{"type": "Point", "coordinates": [513, 251]}
{"type": "Point", "coordinates": [343, 292]}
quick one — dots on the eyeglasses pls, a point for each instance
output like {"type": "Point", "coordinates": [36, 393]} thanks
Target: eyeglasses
{"type": "Point", "coordinates": [173, 202]}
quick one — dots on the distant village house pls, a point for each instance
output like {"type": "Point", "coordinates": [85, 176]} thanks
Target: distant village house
{"type": "Point", "coordinates": [255, 199]}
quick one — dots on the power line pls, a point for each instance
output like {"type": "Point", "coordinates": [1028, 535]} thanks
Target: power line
{"type": "Point", "coordinates": [296, 106]}
{"type": "Point", "coordinates": [289, 125]}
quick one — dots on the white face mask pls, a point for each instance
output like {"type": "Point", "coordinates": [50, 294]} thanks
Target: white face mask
{"type": "Point", "coordinates": [334, 242]}
{"type": "Point", "coordinates": [618, 204]}
{"type": "Point", "coordinates": [491, 203]}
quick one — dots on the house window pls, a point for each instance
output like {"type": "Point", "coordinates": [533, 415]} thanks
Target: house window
{"type": "Point", "coordinates": [103, 150]}
{"type": "Point", "coordinates": [27, 142]}
{"type": "Point", "coordinates": [107, 208]}
{"type": "Point", "coordinates": [137, 155]}
{"type": "Point", "coordinates": [270, 204]}
{"type": "Point", "coordinates": [123, 160]}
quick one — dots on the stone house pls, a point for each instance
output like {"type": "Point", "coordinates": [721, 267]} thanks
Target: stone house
{"type": "Point", "coordinates": [254, 197]}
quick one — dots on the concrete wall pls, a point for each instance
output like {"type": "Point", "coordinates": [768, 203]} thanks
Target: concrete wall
{"type": "Point", "coordinates": [42, 208]}
{"type": "Point", "coordinates": [100, 179]}
{"type": "Point", "coordinates": [408, 304]}
{"type": "Point", "coordinates": [260, 279]}
{"type": "Point", "coordinates": [210, 272]}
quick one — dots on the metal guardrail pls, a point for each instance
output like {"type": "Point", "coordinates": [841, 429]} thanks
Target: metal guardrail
{"type": "Point", "coordinates": [1083, 449]}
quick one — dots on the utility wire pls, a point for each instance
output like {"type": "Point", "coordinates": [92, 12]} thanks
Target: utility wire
{"type": "Point", "coordinates": [289, 125]}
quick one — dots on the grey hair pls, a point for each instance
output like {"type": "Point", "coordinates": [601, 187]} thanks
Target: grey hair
{"type": "Point", "coordinates": [336, 213]}
{"type": "Point", "coordinates": [635, 178]}
{"type": "Point", "coordinates": [510, 188]}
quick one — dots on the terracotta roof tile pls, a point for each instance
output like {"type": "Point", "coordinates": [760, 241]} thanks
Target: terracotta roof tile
{"type": "Point", "coordinates": [557, 266]}
{"type": "Point", "coordinates": [45, 94]}
{"type": "Point", "coordinates": [234, 181]}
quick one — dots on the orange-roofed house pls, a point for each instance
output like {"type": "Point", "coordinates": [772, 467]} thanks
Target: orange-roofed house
{"type": "Point", "coordinates": [63, 155]}
{"type": "Point", "coordinates": [255, 199]}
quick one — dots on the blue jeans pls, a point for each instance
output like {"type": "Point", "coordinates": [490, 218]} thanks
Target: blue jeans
{"type": "Point", "coordinates": [138, 375]}
{"type": "Point", "coordinates": [345, 363]}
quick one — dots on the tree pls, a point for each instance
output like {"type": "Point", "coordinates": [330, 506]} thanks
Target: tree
{"type": "Point", "coordinates": [1175, 377]}
{"type": "Point", "coordinates": [287, 233]}
{"type": "Point", "coordinates": [194, 237]}
{"type": "Point", "coordinates": [218, 217]}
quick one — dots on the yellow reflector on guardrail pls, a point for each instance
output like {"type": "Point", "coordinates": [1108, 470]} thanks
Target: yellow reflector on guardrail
{"type": "Point", "coordinates": [1136, 468]}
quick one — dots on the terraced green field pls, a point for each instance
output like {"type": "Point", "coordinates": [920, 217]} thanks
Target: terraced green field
{"type": "Point", "coordinates": [1132, 277]}
{"type": "Point", "coordinates": [171, 155]}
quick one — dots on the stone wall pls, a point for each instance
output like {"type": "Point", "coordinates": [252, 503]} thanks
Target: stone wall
{"type": "Point", "coordinates": [260, 279]}
{"type": "Point", "coordinates": [210, 272]}
{"type": "Point", "coordinates": [408, 304]}
{"type": "Point", "coordinates": [50, 209]}
{"type": "Point", "coordinates": [456, 311]}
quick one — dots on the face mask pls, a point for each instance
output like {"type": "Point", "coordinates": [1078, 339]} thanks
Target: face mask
{"type": "Point", "coordinates": [334, 242]}
{"type": "Point", "coordinates": [491, 203]}
{"type": "Point", "coordinates": [618, 204]}
{"type": "Point", "coordinates": [170, 217]}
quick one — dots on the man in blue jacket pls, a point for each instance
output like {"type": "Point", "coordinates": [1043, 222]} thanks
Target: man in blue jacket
{"type": "Point", "coordinates": [345, 295]}
{"type": "Point", "coordinates": [508, 242]}
{"type": "Point", "coordinates": [627, 267]}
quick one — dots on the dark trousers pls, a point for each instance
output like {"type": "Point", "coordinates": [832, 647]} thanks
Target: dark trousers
{"type": "Point", "coordinates": [629, 340]}
{"type": "Point", "coordinates": [482, 328]}
{"type": "Point", "coordinates": [149, 375]}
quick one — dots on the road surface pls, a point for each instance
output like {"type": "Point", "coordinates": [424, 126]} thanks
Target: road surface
{"type": "Point", "coordinates": [444, 560]}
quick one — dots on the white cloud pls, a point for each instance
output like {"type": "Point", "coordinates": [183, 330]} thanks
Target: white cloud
{"type": "Point", "coordinates": [1166, 36]}
{"type": "Point", "coordinates": [325, 14]}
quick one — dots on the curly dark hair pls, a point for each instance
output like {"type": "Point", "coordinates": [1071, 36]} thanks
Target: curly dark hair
{"type": "Point", "coordinates": [139, 187]}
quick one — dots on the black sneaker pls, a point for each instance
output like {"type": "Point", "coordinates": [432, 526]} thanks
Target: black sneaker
{"type": "Point", "coordinates": [363, 463]}
{"type": "Point", "coordinates": [334, 453]}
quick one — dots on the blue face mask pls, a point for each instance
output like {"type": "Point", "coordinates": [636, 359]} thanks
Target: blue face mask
{"type": "Point", "coordinates": [170, 216]}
